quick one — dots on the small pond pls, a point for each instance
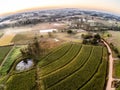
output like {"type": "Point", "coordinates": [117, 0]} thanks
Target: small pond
{"type": "Point", "coordinates": [24, 65]}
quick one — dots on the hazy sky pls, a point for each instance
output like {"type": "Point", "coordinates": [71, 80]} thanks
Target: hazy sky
{"type": "Point", "coordinates": [10, 6]}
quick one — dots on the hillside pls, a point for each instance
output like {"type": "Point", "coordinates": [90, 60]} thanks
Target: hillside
{"type": "Point", "coordinates": [69, 67]}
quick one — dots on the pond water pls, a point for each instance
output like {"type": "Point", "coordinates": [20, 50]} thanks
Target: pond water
{"type": "Point", "coordinates": [21, 66]}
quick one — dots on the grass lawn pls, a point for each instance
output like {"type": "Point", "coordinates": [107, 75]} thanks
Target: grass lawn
{"type": "Point", "coordinates": [116, 72]}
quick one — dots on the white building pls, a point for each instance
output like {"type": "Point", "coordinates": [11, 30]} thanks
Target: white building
{"type": "Point", "coordinates": [48, 30]}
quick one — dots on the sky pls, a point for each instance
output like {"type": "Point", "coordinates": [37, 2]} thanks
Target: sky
{"type": "Point", "coordinates": [13, 6]}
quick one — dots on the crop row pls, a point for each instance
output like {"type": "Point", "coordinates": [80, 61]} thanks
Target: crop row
{"type": "Point", "coordinates": [68, 57]}
{"type": "Point", "coordinates": [98, 81]}
{"type": "Point", "coordinates": [83, 75]}
{"type": "Point", "coordinates": [55, 55]}
{"type": "Point", "coordinates": [22, 81]}
{"type": "Point", "coordinates": [9, 61]}
{"type": "Point", "coordinates": [69, 69]}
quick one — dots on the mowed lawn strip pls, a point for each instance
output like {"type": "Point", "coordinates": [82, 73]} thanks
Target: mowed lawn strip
{"type": "Point", "coordinates": [22, 81]}
{"type": "Point", "coordinates": [70, 68]}
{"type": "Point", "coordinates": [61, 61]}
{"type": "Point", "coordinates": [98, 81]}
{"type": "Point", "coordinates": [3, 52]}
{"type": "Point", "coordinates": [55, 55]}
{"type": "Point", "coordinates": [80, 77]}
{"type": "Point", "coordinates": [10, 60]}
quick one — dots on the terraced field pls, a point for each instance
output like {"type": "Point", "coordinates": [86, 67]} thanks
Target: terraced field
{"type": "Point", "coordinates": [9, 61]}
{"type": "Point", "coordinates": [78, 69]}
{"type": "Point", "coordinates": [69, 67]}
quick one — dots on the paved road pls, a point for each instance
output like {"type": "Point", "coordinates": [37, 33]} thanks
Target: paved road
{"type": "Point", "coordinates": [110, 78]}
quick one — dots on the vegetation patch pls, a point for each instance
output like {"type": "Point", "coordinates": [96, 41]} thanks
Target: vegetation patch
{"type": "Point", "coordinates": [82, 71]}
{"type": "Point", "coordinates": [22, 81]}
{"type": "Point", "coordinates": [10, 60]}
{"type": "Point", "coordinates": [116, 72]}
{"type": "Point", "coordinates": [98, 81]}
{"type": "Point", "coordinates": [3, 52]}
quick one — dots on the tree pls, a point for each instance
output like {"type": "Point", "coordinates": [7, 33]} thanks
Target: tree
{"type": "Point", "coordinates": [50, 34]}
{"type": "Point", "coordinates": [32, 50]}
{"type": "Point", "coordinates": [97, 36]}
{"type": "Point", "coordinates": [85, 41]}
{"type": "Point", "coordinates": [69, 31]}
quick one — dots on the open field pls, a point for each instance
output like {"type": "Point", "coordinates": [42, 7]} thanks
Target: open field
{"type": "Point", "coordinates": [116, 73]}
{"type": "Point", "coordinates": [115, 38]}
{"type": "Point", "coordinates": [75, 69]}
{"type": "Point", "coordinates": [3, 52]}
{"type": "Point", "coordinates": [24, 37]}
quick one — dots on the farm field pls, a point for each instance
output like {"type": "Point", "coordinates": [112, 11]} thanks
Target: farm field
{"type": "Point", "coordinates": [6, 39]}
{"type": "Point", "coordinates": [23, 37]}
{"type": "Point", "coordinates": [10, 60]}
{"type": "Point", "coordinates": [3, 52]}
{"type": "Point", "coordinates": [22, 81]}
{"type": "Point", "coordinates": [77, 69]}
{"type": "Point", "coordinates": [116, 73]}
{"type": "Point", "coordinates": [72, 66]}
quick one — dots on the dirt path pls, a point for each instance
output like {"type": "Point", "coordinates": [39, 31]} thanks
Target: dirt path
{"type": "Point", "coordinates": [110, 78]}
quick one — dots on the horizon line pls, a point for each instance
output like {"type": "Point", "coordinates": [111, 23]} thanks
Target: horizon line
{"type": "Point", "coordinates": [55, 8]}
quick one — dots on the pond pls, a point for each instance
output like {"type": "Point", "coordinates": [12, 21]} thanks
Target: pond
{"type": "Point", "coordinates": [24, 65]}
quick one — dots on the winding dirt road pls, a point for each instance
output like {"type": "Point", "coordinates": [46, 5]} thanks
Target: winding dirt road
{"type": "Point", "coordinates": [110, 78]}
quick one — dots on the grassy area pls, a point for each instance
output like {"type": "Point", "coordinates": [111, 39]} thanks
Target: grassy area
{"type": "Point", "coordinates": [70, 67]}
{"type": "Point", "coordinates": [82, 71]}
{"type": "Point", "coordinates": [81, 76]}
{"type": "Point", "coordinates": [10, 60]}
{"type": "Point", "coordinates": [98, 81]}
{"type": "Point", "coordinates": [115, 39]}
{"type": "Point", "coordinates": [3, 52]}
{"type": "Point", "coordinates": [22, 38]}
{"type": "Point", "coordinates": [22, 81]}
{"type": "Point", "coordinates": [116, 72]}
{"type": "Point", "coordinates": [67, 70]}
{"type": "Point", "coordinates": [1, 34]}
{"type": "Point", "coordinates": [68, 57]}
{"type": "Point", "coordinates": [54, 55]}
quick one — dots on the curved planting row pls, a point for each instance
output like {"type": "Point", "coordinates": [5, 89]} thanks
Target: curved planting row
{"type": "Point", "coordinates": [98, 81]}
{"type": "Point", "coordinates": [22, 81]}
{"type": "Point", "coordinates": [61, 61]}
{"type": "Point", "coordinates": [55, 55]}
{"type": "Point", "coordinates": [9, 61]}
{"type": "Point", "coordinates": [70, 68]}
{"type": "Point", "coordinates": [83, 75]}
